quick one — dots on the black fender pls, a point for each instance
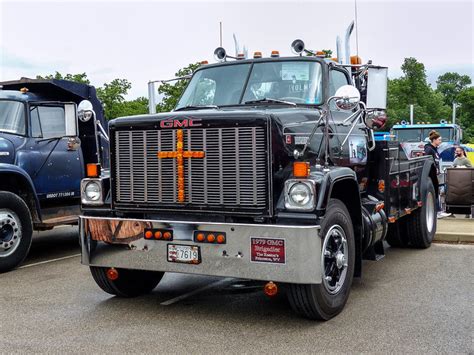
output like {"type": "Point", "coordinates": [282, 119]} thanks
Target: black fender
{"type": "Point", "coordinates": [429, 171]}
{"type": "Point", "coordinates": [17, 180]}
{"type": "Point", "coordinates": [341, 183]}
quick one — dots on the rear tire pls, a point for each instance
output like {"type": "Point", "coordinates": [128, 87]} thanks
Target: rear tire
{"type": "Point", "coordinates": [326, 300]}
{"type": "Point", "coordinates": [130, 283]}
{"type": "Point", "coordinates": [16, 230]}
{"type": "Point", "coordinates": [422, 223]}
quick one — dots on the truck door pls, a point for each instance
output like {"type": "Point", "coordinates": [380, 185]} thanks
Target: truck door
{"type": "Point", "coordinates": [58, 166]}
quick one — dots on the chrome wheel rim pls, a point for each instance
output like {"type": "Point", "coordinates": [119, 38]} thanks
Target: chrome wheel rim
{"type": "Point", "coordinates": [334, 259]}
{"type": "Point", "coordinates": [10, 233]}
{"type": "Point", "coordinates": [430, 211]}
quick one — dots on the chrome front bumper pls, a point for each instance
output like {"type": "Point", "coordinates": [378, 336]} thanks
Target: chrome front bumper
{"type": "Point", "coordinates": [301, 262]}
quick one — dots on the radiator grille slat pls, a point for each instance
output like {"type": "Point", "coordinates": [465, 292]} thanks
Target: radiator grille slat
{"type": "Point", "coordinates": [233, 174]}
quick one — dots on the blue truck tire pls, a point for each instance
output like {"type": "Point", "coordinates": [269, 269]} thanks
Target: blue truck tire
{"type": "Point", "coordinates": [16, 230]}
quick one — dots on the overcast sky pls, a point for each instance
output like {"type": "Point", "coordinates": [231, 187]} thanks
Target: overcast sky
{"type": "Point", "coordinates": [149, 40]}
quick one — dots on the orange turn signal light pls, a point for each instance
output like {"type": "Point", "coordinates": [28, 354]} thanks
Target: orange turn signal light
{"type": "Point", "coordinates": [166, 235]}
{"type": "Point", "coordinates": [112, 274]}
{"type": "Point", "coordinates": [211, 238]}
{"type": "Point", "coordinates": [93, 170]}
{"type": "Point", "coordinates": [220, 238]}
{"type": "Point", "coordinates": [148, 234]}
{"type": "Point", "coordinates": [200, 237]}
{"type": "Point", "coordinates": [301, 169]}
{"type": "Point", "coordinates": [270, 289]}
{"type": "Point", "coordinates": [158, 235]}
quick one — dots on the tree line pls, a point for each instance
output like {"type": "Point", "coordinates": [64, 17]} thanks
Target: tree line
{"type": "Point", "coordinates": [430, 105]}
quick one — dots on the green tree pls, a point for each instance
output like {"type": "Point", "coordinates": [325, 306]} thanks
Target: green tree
{"type": "Point", "coordinates": [172, 91]}
{"type": "Point", "coordinates": [450, 85]}
{"type": "Point", "coordinates": [112, 96]}
{"type": "Point", "coordinates": [79, 78]}
{"type": "Point", "coordinates": [139, 106]}
{"type": "Point", "coordinates": [412, 88]}
{"type": "Point", "coordinates": [466, 113]}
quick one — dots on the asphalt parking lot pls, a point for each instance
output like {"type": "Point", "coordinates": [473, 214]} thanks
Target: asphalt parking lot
{"type": "Point", "coordinates": [412, 301]}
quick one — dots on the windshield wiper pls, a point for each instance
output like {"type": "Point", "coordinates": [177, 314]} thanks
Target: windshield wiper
{"type": "Point", "coordinates": [191, 107]}
{"type": "Point", "coordinates": [266, 101]}
{"type": "Point", "coordinates": [49, 139]}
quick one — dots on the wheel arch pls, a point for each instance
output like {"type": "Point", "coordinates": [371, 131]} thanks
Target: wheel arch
{"type": "Point", "coordinates": [15, 180]}
{"type": "Point", "coordinates": [343, 186]}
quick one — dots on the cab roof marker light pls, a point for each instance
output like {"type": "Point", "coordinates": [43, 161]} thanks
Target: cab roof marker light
{"type": "Point", "coordinates": [275, 54]}
{"type": "Point", "coordinates": [257, 54]}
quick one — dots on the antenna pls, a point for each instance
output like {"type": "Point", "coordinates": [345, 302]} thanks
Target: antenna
{"type": "Point", "coordinates": [220, 32]}
{"type": "Point", "coordinates": [357, 31]}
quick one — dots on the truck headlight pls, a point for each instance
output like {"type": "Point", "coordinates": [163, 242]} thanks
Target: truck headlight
{"type": "Point", "coordinates": [299, 194]}
{"type": "Point", "coordinates": [92, 192]}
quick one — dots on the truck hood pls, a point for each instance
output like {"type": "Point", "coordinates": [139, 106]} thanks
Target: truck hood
{"type": "Point", "coordinates": [7, 149]}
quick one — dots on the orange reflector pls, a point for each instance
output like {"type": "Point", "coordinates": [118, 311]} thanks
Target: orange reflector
{"type": "Point", "coordinates": [270, 289]}
{"type": "Point", "coordinates": [257, 55]}
{"type": "Point", "coordinates": [220, 238]}
{"type": "Point", "coordinates": [200, 237]}
{"type": "Point", "coordinates": [158, 235]}
{"type": "Point", "coordinates": [112, 274]}
{"type": "Point", "coordinates": [379, 206]}
{"type": "Point", "coordinates": [148, 234]}
{"type": "Point", "coordinates": [391, 219]}
{"type": "Point", "coordinates": [301, 169]}
{"type": "Point", "coordinates": [381, 186]}
{"type": "Point", "coordinates": [93, 170]}
{"type": "Point", "coordinates": [275, 54]}
{"type": "Point", "coordinates": [211, 238]}
{"type": "Point", "coordinates": [166, 235]}
{"type": "Point", "coordinates": [355, 59]}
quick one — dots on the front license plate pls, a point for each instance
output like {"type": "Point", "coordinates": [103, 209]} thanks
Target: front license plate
{"type": "Point", "coordinates": [188, 254]}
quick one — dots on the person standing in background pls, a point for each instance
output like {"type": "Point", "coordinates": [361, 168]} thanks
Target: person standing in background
{"type": "Point", "coordinates": [431, 148]}
{"type": "Point", "coordinates": [461, 160]}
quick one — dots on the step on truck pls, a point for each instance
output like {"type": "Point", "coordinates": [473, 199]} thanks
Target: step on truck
{"type": "Point", "coordinates": [44, 151]}
{"type": "Point", "coordinates": [268, 170]}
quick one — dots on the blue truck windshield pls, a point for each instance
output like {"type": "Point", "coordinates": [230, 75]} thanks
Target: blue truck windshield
{"type": "Point", "coordinates": [421, 134]}
{"type": "Point", "coordinates": [294, 81]}
{"type": "Point", "coordinates": [12, 117]}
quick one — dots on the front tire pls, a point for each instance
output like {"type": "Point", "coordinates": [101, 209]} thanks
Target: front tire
{"type": "Point", "coordinates": [130, 283]}
{"type": "Point", "coordinates": [16, 230]}
{"type": "Point", "coordinates": [326, 300]}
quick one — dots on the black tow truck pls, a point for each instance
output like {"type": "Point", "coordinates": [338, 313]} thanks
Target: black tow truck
{"type": "Point", "coordinates": [268, 170]}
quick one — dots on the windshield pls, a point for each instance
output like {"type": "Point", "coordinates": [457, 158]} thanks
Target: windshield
{"type": "Point", "coordinates": [293, 81]}
{"type": "Point", "coordinates": [12, 117]}
{"type": "Point", "coordinates": [421, 134]}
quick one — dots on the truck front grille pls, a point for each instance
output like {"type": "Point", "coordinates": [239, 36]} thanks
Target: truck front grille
{"type": "Point", "coordinates": [233, 175]}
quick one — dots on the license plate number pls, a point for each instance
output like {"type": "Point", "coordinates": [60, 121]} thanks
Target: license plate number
{"type": "Point", "coordinates": [188, 254]}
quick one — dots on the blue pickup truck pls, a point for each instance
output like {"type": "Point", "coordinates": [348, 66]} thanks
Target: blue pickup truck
{"type": "Point", "coordinates": [45, 149]}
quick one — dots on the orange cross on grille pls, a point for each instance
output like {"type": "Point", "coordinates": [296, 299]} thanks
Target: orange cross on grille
{"type": "Point", "coordinates": [179, 154]}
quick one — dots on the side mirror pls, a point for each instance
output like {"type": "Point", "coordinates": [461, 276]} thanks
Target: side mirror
{"type": "Point", "coordinates": [377, 88]}
{"type": "Point", "coordinates": [347, 97]}
{"type": "Point", "coordinates": [85, 110]}
{"type": "Point", "coordinates": [71, 120]}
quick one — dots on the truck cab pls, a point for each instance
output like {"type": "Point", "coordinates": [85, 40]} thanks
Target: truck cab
{"type": "Point", "coordinates": [44, 151]}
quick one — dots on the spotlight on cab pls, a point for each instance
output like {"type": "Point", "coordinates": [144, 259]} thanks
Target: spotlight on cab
{"type": "Point", "coordinates": [220, 54]}
{"type": "Point", "coordinates": [297, 47]}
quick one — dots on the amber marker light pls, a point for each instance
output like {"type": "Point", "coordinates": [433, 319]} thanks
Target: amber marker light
{"type": "Point", "coordinates": [381, 186]}
{"type": "Point", "coordinates": [204, 62]}
{"type": "Point", "coordinates": [220, 238]}
{"type": "Point", "coordinates": [211, 238]}
{"type": "Point", "coordinates": [200, 237]}
{"type": "Point", "coordinates": [93, 170]}
{"type": "Point", "coordinates": [301, 169]}
{"type": "Point", "coordinates": [275, 54]}
{"type": "Point", "coordinates": [270, 289]}
{"type": "Point", "coordinates": [148, 234]}
{"type": "Point", "coordinates": [166, 235]}
{"type": "Point", "coordinates": [158, 235]}
{"type": "Point", "coordinates": [112, 274]}
{"type": "Point", "coordinates": [24, 90]}
{"type": "Point", "coordinates": [257, 54]}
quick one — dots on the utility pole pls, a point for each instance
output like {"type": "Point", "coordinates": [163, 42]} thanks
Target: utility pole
{"type": "Point", "coordinates": [411, 113]}
{"type": "Point", "coordinates": [454, 112]}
